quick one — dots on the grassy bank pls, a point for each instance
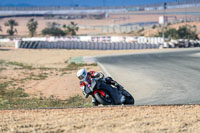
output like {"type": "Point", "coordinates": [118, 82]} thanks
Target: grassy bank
{"type": "Point", "coordinates": [11, 98]}
{"type": "Point", "coordinates": [14, 97]}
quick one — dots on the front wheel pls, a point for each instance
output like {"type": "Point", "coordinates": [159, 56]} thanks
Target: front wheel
{"type": "Point", "coordinates": [129, 98]}
{"type": "Point", "coordinates": [103, 97]}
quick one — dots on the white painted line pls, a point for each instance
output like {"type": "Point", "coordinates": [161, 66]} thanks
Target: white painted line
{"type": "Point", "coordinates": [104, 69]}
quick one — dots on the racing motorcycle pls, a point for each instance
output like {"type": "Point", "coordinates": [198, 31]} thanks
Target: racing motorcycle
{"type": "Point", "coordinates": [107, 94]}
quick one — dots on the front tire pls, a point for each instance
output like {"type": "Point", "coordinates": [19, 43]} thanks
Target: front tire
{"type": "Point", "coordinates": [129, 98]}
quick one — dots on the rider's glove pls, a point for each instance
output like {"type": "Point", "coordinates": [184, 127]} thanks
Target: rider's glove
{"type": "Point", "coordinates": [99, 75]}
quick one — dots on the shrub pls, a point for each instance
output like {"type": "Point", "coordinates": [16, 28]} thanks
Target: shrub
{"type": "Point", "coordinates": [183, 32]}
{"type": "Point", "coordinates": [154, 26]}
{"type": "Point", "coordinates": [53, 31]}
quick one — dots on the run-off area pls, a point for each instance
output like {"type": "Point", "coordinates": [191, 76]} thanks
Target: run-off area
{"type": "Point", "coordinates": [157, 78]}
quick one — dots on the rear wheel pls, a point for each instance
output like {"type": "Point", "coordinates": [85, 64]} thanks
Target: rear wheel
{"type": "Point", "coordinates": [103, 99]}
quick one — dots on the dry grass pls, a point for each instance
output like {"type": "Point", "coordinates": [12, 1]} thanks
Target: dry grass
{"type": "Point", "coordinates": [140, 119]}
{"type": "Point", "coordinates": [45, 72]}
{"type": "Point", "coordinates": [62, 84]}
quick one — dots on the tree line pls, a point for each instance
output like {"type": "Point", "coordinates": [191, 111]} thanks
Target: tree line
{"type": "Point", "coordinates": [53, 29]}
{"type": "Point", "coordinates": [183, 32]}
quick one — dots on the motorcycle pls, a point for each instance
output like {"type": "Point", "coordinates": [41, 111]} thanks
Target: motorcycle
{"type": "Point", "coordinates": [106, 94]}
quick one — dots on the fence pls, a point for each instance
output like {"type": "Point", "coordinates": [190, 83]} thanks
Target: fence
{"type": "Point", "coordinates": [85, 45]}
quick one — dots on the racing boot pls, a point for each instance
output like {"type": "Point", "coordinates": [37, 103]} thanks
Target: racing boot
{"type": "Point", "coordinates": [121, 90]}
{"type": "Point", "coordinates": [123, 99]}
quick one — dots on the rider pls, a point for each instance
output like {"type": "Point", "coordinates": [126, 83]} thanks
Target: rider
{"type": "Point", "coordinates": [85, 77]}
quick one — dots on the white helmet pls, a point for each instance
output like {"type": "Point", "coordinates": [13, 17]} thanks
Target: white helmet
{"type": "Point", "coordinates": [82, 74]}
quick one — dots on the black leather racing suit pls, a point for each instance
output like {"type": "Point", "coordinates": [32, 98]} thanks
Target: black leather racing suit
{"type": "Point", "coordinates": [93, 74]}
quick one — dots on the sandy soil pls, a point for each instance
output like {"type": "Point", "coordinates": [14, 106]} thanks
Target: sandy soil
{"type": "Point", "coordinates": [61, 84]}
{"type": "Point", "coordinates": [144, 119]}
{"type": "Point", "coordinates": [136, 119]}
{"type": "Point", "coordinates": [119, 18]}
{"type": "Point", "coordinates": [52, 57]}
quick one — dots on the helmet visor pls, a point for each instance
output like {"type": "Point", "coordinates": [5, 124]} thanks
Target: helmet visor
{"type": "Point", "coordinates": [81, 77]}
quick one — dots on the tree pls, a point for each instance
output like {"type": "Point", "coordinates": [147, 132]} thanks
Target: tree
{"type": "Point", "coordinates": [71, 29]}
{"type": "Point", "coordinates": [183, 32]}
{"type": "Point", "coordinates": [11, 23]}
{"type": "Point", "coordinates": [170, 33]}
{"type": "Point", "coordinates": [53, 29]}
{"type": "Point", "coordinates": [187, 32]}
{"type": "Point", "coordinates": [32, 26]}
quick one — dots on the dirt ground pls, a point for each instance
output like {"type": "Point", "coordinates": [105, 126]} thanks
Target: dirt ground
{"type": "Point", "coordinates": [53, 81]}
{"type": "Point", "coordinates": [140, 119]}
{"type": "Point", "coordinates": [135, 119]}
{"type": "Point", "coordinates": [114, 18]}
{"type": "Point", "coordinates": [144, 119]}
{"type": "Point", "coordinates": [53, 58]}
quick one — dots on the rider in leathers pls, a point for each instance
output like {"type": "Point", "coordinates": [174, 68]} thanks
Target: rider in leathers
{"type": "Point", "coordinates": [85, 77]}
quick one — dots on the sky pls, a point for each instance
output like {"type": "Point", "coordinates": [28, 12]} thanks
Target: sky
{"type": "Point", "coordinates": [89, 3]}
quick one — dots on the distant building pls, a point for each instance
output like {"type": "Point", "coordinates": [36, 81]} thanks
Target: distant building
{"type": "Point", "coordinates": [77, 16]}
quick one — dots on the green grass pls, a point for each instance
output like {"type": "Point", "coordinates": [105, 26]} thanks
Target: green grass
{"type": "Point", "coordinates": [16, 64]}
{"type": "Point", "coordinates": [2, 62]}
{"type": "Point", "coordinates": [46, 68]}
{"type": "Point", "coordinates": [19, 65]}
{"type": "Point", "coordinates": [33, 103]}
{"type": "Point", "coordinates": [77, 100]}
{"type": "Point", "coordinates": [74, 66]}
{"type": "Point", "coordinates": [18, 99]}
{"type": "Point", "coordinates": [41, 76]}
{"type": "Point", "coordinates": [1, 69]}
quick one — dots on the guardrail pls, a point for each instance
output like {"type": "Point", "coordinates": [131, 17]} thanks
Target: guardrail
{"type": "Point", "coordinates": [140, 39]}
{"type": "Point", "coordinates": [100, 42]}
{"type": "Point", "coordinates": [84, 45]}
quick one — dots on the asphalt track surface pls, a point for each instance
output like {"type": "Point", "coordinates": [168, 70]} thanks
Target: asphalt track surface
{"type": "Point", "coordinates": [157, 78]}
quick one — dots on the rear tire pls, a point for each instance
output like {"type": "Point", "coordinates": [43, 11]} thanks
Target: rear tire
{"type": "Point", "coordinates": [103, 100]}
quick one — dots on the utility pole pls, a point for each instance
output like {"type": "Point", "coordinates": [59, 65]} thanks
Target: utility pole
{"type": "Point", "coordinates": [163, 28]}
